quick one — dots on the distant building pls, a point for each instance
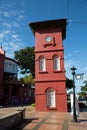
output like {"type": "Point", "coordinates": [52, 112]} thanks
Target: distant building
{"type": "Point", "coordinates": [50, 80]}
{"type": "Point", "coordinates": [10, 87]}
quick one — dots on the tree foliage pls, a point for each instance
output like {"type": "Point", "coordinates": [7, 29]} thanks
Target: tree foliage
{"type": "Point", "coordinates": [26, 59]}
{"type": "Point", "coordinates": [69, 84]}
{"type": "Point", "coordinates": [84, 88]}
{"type": "Point", "coordinates": [83, 92]}
{"type": "Point", "coordinates": [28, 79]}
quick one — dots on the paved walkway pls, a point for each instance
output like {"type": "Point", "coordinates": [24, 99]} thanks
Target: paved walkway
{"type": "Point", "coordinates": [49, 120]}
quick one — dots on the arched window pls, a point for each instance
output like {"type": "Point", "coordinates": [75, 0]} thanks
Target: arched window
{"type": "Point", "coordinates": [42, 64]}
{"type": "Point", "coordinates": [51, 102]}
{"type": "Point", "coordinates": [56, 63]}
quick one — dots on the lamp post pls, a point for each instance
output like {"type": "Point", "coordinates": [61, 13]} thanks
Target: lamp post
{"type": "Point", "coordinates": [74, 106]}
{"type": "Point", "coordinates": [22, 94]}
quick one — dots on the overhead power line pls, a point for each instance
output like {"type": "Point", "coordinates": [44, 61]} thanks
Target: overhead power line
{"type": "Point", "coordinates": [77, 22]}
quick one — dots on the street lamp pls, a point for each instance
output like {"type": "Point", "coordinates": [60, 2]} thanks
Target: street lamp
{"type": "Point", "coordinates": [22, 94]}
{"type": "Point", "coordinates": [74, 106]}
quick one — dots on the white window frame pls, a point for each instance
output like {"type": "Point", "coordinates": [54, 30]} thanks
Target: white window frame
{"type": "Point", "coordinates": [56, 63]}
{"type": "Point", "coordinates": [42, 64]}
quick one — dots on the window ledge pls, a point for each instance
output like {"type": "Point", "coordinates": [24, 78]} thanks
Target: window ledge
{"type": "Point", "coordinates": [43, 72]}
{"type": "Point", "coordinates": [51, 108]}
{"type": "Point", "coordinates": [57, 71]}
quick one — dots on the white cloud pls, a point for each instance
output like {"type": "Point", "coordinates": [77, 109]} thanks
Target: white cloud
{"type": "Point", "coordinates": [6, 14]}
{"type": "Point", "coordinates": [85, 77]}
{"type": "Point", "coordinates": [15, 24]}
{"type": "Point", "coordinates": [7, 31]}
{"type": "Point", "coordinates": [8, 25]}
{"type": "Point", "coordinates": [71, 54]}
{"type": "Point", "coordinates": [1, 35]}
{"type": "Point", "coordinates": [15, 36]}
{"type": "Point", "coordinates": [20, 17]}
{"type": "Point", "coordinates": [11, 21]}
{"type": "Point", "coordinates": [76, 51]}
{"type": "Point", "coordinates": [5, 44]}
{"type": "Point", "coordinates": [10, 41]}
{"type": "Point", "coordinates": [10, 47]}
{"type": "Point", "coordinates": [13, 45]}
{"type": "Point", "coordinates": [69, 64]}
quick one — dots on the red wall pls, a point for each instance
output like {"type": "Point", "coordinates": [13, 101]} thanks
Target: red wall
{"type": "Point", "coordinates": [40, 39]}
{"type": "Point", "coordinates": [59, 87]}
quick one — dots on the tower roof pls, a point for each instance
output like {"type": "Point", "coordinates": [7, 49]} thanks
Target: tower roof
{"type": "Point", "coordinates": [61, 23]}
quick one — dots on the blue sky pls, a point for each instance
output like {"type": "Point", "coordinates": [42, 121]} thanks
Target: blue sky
{"type": "Point", "coordinates": [15, 34]}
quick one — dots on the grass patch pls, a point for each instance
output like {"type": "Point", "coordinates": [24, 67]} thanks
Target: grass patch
{"type": "Point", "coordinates": [33, 104]}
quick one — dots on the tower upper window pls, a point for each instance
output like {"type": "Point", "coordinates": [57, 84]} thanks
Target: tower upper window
{"type": "Point", "coordinates": [56, 63]}
{"type": "Point", "coordinates": [42, 64]}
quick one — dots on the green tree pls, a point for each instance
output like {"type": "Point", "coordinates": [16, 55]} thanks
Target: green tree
{"type": "Point", "coordinates": [83, 92]}
{"type": "Point", "coordinates": [28, 79]}
{"type": "Point", "coordinates": [26, 59]}
{"type": "Point", "coordinates": [84, 88]}
{"type": "Point", "coordinates": [69, 84]}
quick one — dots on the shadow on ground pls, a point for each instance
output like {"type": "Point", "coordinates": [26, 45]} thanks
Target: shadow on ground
{"type": "Point", "coordinates": [82, 120]}
{"type": "Point", "coordinates": [24, 123]}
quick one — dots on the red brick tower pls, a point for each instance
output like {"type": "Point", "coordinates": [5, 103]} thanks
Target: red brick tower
{"type": "Point", "coordinates": [49, 65]}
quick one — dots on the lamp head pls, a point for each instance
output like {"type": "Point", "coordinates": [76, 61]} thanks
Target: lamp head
{"type": "Point", "coordinates": [73, 70]}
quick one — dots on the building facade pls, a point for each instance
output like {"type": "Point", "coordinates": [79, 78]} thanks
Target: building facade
{"type": "Point", "coordinates": [12, 91]}
{"type": "Point", "coordinates": [50, 80]}
{"type": "Point", "coordinates": [2, 58]}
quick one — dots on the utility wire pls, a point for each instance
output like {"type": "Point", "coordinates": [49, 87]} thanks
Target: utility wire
{"type": "Point", "coordinates": [77, 22]}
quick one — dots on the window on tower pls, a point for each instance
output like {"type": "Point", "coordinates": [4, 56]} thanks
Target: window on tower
{"type": "Point", "coordinates": [56, 63]}
{"type": "Point", "coordinates": [51, 98]}
{"type": "Point", "coordinates": [42, 64]}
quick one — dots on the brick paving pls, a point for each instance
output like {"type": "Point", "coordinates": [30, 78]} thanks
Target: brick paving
{"type": "Point", "coordinates": [48, 120]}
